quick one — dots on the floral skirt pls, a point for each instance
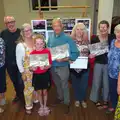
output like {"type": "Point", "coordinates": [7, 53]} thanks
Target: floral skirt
{"type": "Point", "coordinates": [117, 111]}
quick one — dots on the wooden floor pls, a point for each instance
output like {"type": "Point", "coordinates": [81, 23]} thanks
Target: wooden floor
{"type": "Point", "coordinates": [16, 111]}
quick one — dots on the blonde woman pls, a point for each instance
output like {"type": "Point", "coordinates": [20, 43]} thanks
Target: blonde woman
{"type": "Point", "coordinates": [23, 49]}
{"type": "Point", "coordinates": [80, 76]}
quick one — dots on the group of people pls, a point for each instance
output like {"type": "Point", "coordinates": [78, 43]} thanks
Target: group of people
{"type": "Point", "coordinates": [31, 83]}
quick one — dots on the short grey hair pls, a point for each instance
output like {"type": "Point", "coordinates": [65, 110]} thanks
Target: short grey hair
{"type": "Point", "coordinates": [117, 28]}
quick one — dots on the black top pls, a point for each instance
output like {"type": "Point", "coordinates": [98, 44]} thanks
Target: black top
{"type": "Point", "coordinates": [10, 43]}
{"type": "Point", "coordinates": [102, 59]}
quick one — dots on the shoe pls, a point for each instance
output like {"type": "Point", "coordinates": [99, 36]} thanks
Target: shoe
{"type": "Point", "coordinates": [67, 109]}
{"type": "Point", "coordinates": [84, 104]}
{"type": "Point", "coordinates": [110, 110]}
{"type": "Point", "coordinates": [16, 99]}
{"type": "Point", "coordinates": [46, 111]}
{"type": "Point", "coordinates": [41, 111]}
{"type": "Point", "coordinates": [3, 102]}
{"type": "Point", "coordinates": [1, 110]}
{"type": "Point", "coordinates": [57, 101]}
{"type": "Point", "coordinates": [36, 101]}
{"type": "Point", "coordinates": [77, 103]}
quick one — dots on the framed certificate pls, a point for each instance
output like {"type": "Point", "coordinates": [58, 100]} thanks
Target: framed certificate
{"type": "Point", "coordinates": [80, 63]}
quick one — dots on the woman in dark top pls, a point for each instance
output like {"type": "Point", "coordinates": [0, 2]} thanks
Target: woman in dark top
{"type": "Point", "coordinates": [100, 74]}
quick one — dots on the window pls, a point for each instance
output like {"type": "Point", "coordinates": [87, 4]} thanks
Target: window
{"type": "Point", "coordinates": [42, 3]}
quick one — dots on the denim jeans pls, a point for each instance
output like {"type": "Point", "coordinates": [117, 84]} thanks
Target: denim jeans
{"type": "Point", "coordinates": [80, 84]}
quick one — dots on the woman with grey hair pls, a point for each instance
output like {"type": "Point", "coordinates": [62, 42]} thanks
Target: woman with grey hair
{"type": "Point", "coordinates": [80, 76]}
{"type": "Point", "coordinates": [113, 68]}
{"type": "Point", "coordinates": [100, 74]}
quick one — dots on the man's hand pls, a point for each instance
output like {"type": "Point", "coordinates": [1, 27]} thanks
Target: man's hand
{"type": "Point", "coordinates": [63, 59]}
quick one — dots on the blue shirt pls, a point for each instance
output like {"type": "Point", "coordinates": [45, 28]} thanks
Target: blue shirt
{"type": "Point", "coordinates": [57, 40]}
{"type": "Point", "coordinates": [113, 61]}
{"type": "Point", "coordinates": [2, 52]}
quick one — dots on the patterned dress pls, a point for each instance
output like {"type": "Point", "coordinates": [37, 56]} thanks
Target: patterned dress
{"type": "Point", "coordinates": [28, 90]}
{"type": "Point", "coordinates": [2, 52]}
{"type": "Point", "coordinates": [117, 111]}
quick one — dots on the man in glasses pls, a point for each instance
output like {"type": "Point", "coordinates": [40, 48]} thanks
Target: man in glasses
{"type": "Point", "coordinates": [10, 36]}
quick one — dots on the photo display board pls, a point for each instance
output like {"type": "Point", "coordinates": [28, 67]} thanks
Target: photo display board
{"type": "Point", "coordinates": [44, 27]}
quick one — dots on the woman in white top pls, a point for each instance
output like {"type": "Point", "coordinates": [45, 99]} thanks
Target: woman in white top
{"type": "Point", "coordinates": [24, 47]}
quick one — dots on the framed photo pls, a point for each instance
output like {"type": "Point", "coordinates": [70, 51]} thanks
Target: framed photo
{"type": "Point", "coordinates": [67, 32]}
{"type": "Point", "coordinates": [38, 25]}
{"type": "Point", "coordinates": [49, 24]}
{"type": "Point", "coordinates": [42, 33]}
{"type": "Point", "coordinates": [68, 23]}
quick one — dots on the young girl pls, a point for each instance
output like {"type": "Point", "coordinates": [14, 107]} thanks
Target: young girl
{"type": "Point", "coordinates": [2, 74]}
{"type": "Point", "coordinates": [41, 76]}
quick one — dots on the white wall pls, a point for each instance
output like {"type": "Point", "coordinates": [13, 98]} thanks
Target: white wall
{"type": "Point", "coordinates": [21, 11]}
{"type": "Point", "coordinates": [2, 13]}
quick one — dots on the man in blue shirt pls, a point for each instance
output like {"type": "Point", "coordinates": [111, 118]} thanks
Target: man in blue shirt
{"type": "Point", "coordinates": [60, 67]}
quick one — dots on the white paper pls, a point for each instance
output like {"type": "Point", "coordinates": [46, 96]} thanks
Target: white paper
{"type": "Point", "coordinates": [60, 52]}
{"type": "Point", "coordinates": [39, 60]}
{"type": "Point", "coordinates": [80, 63]}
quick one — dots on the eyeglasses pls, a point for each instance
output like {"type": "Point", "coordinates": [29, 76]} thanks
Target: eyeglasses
{"type": "Point", "coordinates": [27, 30]}
{"type": "Point", "coordinates": [10, 22]}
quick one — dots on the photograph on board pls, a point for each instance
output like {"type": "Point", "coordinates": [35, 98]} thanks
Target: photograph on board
{"type": "Point", "coordinates": [68, 23]}
{"type": "Point", "coordinates": [38, 25]}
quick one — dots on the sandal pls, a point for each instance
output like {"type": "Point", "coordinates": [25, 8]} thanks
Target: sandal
{"type": "Point", "coordinates": [41, 111]}
{"type": "Point", "coordinates": [99, 106]}
{"type": "Point", "coordinates": [110, 110]}
{"type": "Point", "coordinates": [28, 112]}
{"type": "Point", "coordinates": [1, 110]}
{"type": "Point", "coordinates": [105, 105]}
{"type": "Point", "coordinates": [46, 111]}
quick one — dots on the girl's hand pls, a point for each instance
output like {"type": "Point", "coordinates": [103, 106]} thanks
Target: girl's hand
{"type": "Point", "coordinates": [47, 67]}
{"type": "Point", "coordinates": [91, 56]}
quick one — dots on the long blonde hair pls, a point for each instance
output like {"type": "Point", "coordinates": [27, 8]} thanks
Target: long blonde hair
{"type": "Point", "coordinates": [21, 38]}
{"type": "Point", "coordinates": [81, 26]}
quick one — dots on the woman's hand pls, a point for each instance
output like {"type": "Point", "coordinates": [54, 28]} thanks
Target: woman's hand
{"type": "Point", "coordinates": [118, 89]}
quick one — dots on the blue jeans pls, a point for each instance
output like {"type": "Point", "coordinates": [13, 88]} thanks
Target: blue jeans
{"type": "Point", "coordinates": [80, 84]}
{"type": "Point", "coordinates": [113, 92]}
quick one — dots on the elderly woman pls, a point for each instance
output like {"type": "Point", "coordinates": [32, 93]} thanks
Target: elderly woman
{"type": "Point", "coordinates": [100, 74]}
{"type": "Point", "coordinates": [80, 76]}
{"type": "Point", "coordinates": [23, 49]}
{"type": "Point", "coordinates": [2, 73]}
{"type": "Point", "coordinates": [113, 68]}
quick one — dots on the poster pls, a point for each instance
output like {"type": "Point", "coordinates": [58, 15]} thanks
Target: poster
{"type": "Point", "coordinates": [60, 52]}
{"type": "Point", "coordinates": [99, 48]}
{"type": "Point", "coordinates": [80, 63]}
{"type": "Point", "coordinates": [39, 60]}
